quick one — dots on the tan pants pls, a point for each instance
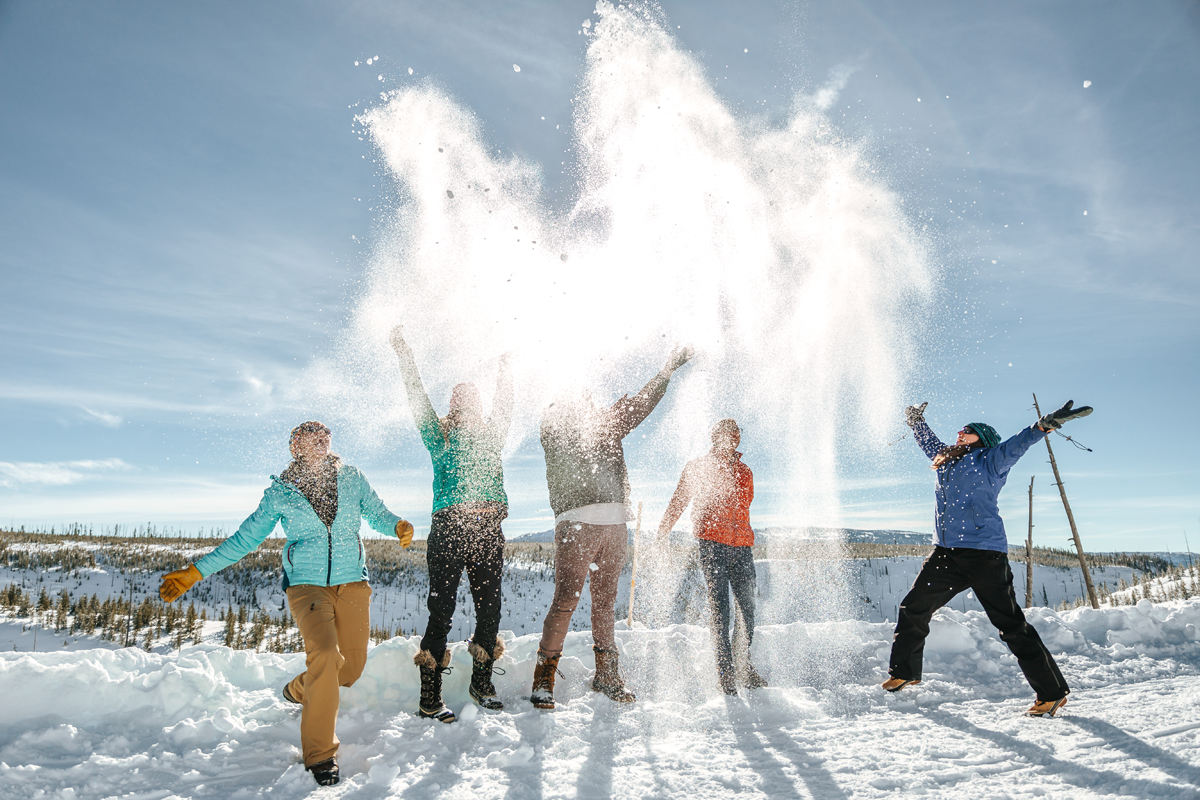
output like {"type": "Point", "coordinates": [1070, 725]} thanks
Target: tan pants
{"type": "Point", "coordinates": [578, 545]}
{"type": "Point", "coordinates": [335, 622]}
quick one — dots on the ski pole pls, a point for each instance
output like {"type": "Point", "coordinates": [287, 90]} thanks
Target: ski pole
{"type": "Point", "coordinates": [637, 532]}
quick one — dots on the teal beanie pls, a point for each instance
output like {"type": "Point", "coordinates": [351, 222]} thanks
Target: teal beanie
{"type": "Point", "coordinates": [986, 433]}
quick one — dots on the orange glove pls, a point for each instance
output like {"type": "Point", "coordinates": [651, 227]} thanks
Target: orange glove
{"type": "Point", "coordinates": [176, 583]}
{"type": "Point", "coordinates": [404, 532]}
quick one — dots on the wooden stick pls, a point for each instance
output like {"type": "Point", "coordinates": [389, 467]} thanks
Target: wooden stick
{"type": "Point", "coordinates": [637, 532]}
{"type": "Point", "coordinates": [1029, 551]}
{"type": "Point", "coordinates": [1087, 575]}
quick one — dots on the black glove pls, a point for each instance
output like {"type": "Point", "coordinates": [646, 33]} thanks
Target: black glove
{"type": "Point", "coordinates": [1055, 419]}
{"type": "Point", "coordinates": [915, 414]}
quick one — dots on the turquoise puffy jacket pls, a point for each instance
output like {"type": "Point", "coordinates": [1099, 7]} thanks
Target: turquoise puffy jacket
{"type": "Point", "coordinates": [314, 555]}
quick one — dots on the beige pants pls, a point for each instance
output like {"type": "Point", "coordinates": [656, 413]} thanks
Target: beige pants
{"type": "Point", "coordinates": [335, 622]}
{"type": "Point", "coordinates": [578, 545]}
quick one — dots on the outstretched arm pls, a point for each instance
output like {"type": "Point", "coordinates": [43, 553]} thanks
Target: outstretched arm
{"type": "Point", "coordinates": [418, 399]}
{"type": "Point", "coordinates": [631, 411]}
{"type": "Point", "coordinates": [374, 511]}
{"type": "Point", "coordinates": [679, 501]}
{"type": "Point", "coordinates": [247, 539]}
{"type": "Point", "coordinates": [1003, 457]}
{"type": "Point", "coordinates": [502, 405]}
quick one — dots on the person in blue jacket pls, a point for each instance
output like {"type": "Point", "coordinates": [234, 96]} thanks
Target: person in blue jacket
{"type": "Point", "coordinates": [319, 501]}
{"type": "Point", "coordinates": [971, 552]}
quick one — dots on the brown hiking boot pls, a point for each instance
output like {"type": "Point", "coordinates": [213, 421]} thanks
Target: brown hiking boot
{"type": "Point", "coordinates": [1047, 708]}
{"type": "Point", "coordinates": [543, 681]}
{"type": "Point", "coordinates": [608, 677]}
{"type": "Point", "coordinates": [896, 684]}
{"type": "Point", "coordinates": [748, 676]}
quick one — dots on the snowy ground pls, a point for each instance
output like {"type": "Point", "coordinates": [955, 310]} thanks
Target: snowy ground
{"type": "Point", "coordinates": [209, 722]}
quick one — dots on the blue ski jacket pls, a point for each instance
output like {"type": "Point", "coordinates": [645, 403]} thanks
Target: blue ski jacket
{"type": "Point", "coordinates": [968, 490]}
{"type": "Point", "coordinates": [314, 554]}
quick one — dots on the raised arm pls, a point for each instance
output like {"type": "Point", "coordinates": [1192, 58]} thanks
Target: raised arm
{"type": "Point", "coordinates": [418, 399]}
{"type": "Point", "coordinates": [502, 404]}
{"type": "Point", "coordinates": [926, 439]}
{"type": "Point", "coordinates": [679, 502]}
{"type": "Point", "coordinates": [629, 412]}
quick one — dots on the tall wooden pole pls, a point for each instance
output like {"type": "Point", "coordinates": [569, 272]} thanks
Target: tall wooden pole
{"type": "Point", "coordinates": [1029, 551]}
{"type": "Point", "coordinates": [1087, 575]}
{"type": "Point", "coordinates": [637, 533]}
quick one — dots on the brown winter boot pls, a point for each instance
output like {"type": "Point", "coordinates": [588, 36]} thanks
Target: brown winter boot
{"type": "Point", "coordinates": [608, 677]}
{"type": "Point", "coordinates": [1045, 708]}
{"type": "Point", "coordinates": [543, 681]}
{"type": "Point", "coordinates": [748, 676]}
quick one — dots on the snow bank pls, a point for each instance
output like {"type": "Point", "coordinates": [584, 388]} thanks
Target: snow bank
{"type": "Point", "coordinates": [209, 721]}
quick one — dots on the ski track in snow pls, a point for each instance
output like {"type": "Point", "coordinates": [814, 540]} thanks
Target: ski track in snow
{"type": "Point", "coordinates": [208, 721]}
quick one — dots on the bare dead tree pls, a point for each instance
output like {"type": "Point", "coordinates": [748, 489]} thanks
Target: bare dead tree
{"type": "Point", "coordinates": [1087, 575]}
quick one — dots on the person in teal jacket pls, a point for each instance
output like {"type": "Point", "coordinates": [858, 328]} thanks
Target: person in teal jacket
{"type": "Point", "coordinates": [319, 501]}
{"type": "Point", "coordinates": [469, 503]}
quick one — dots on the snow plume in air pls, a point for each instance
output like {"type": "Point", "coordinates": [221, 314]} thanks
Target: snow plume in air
{"type": "Point", "coordinates": [772, 248]}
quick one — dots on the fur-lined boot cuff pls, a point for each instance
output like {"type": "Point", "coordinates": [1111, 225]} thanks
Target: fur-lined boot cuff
{"type": "Point", "coordinates": [479, 654]}
{"type": "Point", "coordinates": [424, 658]}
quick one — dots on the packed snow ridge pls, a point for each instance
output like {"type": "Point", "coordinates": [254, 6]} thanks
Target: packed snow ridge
{"type": "Point", "coordinates": [208, 721]}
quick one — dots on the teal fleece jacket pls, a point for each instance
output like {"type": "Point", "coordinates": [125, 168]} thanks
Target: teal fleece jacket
{"type": "Point", "coordinates": [314, 555]}
{"type": "Point", "coordinates": [466, 460]}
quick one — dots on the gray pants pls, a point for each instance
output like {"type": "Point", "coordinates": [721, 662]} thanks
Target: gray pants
{"type": "Point", "coordinates": [578, 545]}
{"type": "Point", "coordinates": [726, 567]}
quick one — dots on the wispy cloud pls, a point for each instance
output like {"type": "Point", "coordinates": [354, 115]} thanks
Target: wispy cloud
{"type": "Point", "coordinates": [110, 420]}
{"type": "Point", "coordinates": [56, 473]}
{"type": "Point", "coordinates": [828, 93]}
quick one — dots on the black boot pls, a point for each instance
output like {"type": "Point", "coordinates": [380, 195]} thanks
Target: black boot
{"type": "Point", "coordinates": [325, 773]}
{"type": "Point", "coordinates": [431, 706]}
{"type": "Point", "coordinates": [482, 690]}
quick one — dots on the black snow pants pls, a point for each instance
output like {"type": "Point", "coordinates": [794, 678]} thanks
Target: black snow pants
{"type": "Point", "coordinates": [464, 539]}
{"type": "Point", "coordinates": [727, 567]}
{"type": "Point", "coordinates": [950, 570]}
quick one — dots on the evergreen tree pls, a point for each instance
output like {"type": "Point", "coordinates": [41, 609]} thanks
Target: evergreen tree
{"type": "Point", "coordinates": [230, 621]}
{"type": "Point", "coordinates": [63, 610]}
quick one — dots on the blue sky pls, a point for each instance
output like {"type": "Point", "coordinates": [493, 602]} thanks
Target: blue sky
{"type": "Point", "coordinates": [188, 214]}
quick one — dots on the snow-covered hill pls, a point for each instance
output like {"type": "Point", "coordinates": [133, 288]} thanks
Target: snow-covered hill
{"type": "Point", "coordinates": [208, 721]}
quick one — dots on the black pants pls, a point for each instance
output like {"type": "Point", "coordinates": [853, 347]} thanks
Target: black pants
{"type": "Point", "coordinates": [462, 540]}
{"type": "Point", "coordinates": [950, 570]}
{"type": "Point", "coordinates": [726, 567]}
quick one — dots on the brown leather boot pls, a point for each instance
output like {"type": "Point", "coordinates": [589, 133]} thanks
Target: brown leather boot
{"type": "Point", "coordinates": [608, 677]}
{"type": "Point", "coordinates": [896, 684]}
{"type": "Point", "coordinates": [543, 681]}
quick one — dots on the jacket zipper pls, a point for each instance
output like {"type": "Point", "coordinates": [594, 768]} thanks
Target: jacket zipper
{"type": "Point", "coordinates": [329, 569]}
{"type": "Point", "coordinates": [328, 530]}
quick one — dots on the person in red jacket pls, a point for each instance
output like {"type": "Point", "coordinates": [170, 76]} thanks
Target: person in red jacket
{"type": "Point", "coordinates": [721, 488]}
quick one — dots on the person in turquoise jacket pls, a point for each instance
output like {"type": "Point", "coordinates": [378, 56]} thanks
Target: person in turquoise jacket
{"type": "Point", "coordinates": [319, 501]}
{"type": "Point", "coordinates": [971, 552]}
{"type": "Point", "coordinates": [469, 503]}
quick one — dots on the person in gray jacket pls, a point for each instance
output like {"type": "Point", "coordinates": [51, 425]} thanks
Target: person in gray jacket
{"type": "Point", "coordinates": [589, 494]}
